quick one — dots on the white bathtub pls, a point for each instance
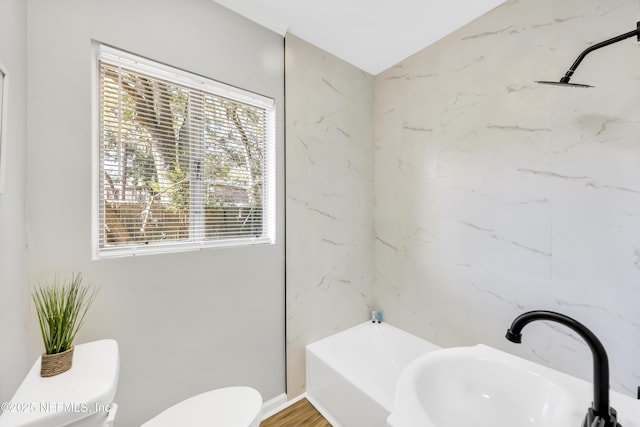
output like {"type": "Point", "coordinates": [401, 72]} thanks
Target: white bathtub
{"type": "Point", "coordinates": [352, 375]}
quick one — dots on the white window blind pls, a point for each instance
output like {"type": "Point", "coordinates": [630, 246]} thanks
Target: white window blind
{"type": "Point", "coordinates": [184, 162]}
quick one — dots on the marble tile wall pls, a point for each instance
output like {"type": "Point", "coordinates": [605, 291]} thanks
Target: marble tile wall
{"type": "Point", "coordinates": [495, 195]}
{"type": "Point", "coordinates": [329, 191]}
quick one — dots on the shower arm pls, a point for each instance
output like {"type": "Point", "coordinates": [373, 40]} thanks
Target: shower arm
{"type": "Point", "coordinates": [590, 49]}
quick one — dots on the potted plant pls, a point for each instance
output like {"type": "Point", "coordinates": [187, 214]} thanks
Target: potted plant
{"type": "Point", "coordinates": [61, 308]}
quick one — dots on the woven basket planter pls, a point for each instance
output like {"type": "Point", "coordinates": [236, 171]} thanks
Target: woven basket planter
{"type": "Point", "coordinates": [54, 364]}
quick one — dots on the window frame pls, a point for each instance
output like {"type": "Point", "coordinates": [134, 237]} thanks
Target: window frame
{"type": "Point", "coordinates": [181, 77]}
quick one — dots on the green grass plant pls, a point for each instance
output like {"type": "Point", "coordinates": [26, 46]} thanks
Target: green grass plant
{"type": "Point", "coordinates": [61, 308]}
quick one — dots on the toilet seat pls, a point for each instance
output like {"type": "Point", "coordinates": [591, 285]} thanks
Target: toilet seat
{"type": "Point", "coordinates": [225, 407]}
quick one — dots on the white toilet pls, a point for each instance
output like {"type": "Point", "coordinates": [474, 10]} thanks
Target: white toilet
{"type": "Point", "coordinates": [83, 397]}
{"type": "Point", "coordinates": [225, 407]}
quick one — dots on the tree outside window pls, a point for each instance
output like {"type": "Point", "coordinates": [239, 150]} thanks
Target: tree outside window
{"type": "Point", "coordinates": [179, 163]}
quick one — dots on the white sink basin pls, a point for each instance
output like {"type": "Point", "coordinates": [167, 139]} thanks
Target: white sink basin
{"type": "Point", "coordinates": [481, 386]}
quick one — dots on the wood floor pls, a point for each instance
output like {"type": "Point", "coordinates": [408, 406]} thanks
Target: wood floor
{"type": "Point", "coordinates": [301, 413]}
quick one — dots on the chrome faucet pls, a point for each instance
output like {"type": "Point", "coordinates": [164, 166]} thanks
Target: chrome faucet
{"type": "Point", "coordinates": [600, 414]}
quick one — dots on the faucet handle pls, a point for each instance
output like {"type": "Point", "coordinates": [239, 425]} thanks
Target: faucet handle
{"type": "Point", "coordinates": [594, 420]}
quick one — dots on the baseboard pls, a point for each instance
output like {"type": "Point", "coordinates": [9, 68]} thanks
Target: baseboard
{"type": "Point", "coordinates": [275, 405]}
{"type": "Point", "coordinates": [280, 403]}
{"type": "Point", "coordinates": [323, 411]}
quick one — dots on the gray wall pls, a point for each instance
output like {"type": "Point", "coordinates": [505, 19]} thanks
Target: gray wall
{"type": "Point", "coordinates": [329, 199]}
{"type": "Point", "coordinates": [495, 195]}
{"type": "Point", "coordinates": [15, 358]}
{"type": "Point", "coordinates": [185, 322]}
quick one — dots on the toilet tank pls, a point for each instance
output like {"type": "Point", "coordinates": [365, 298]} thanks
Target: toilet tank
{"type": "Point", "coordinates": [83, 393]}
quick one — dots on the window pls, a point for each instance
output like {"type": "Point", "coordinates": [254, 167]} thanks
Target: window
{"type": "Point", "coordinates": [184, 162]}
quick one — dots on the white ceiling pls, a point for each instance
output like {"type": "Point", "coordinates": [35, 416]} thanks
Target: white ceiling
{"type": "Point", "coordinates": [373, 35]}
